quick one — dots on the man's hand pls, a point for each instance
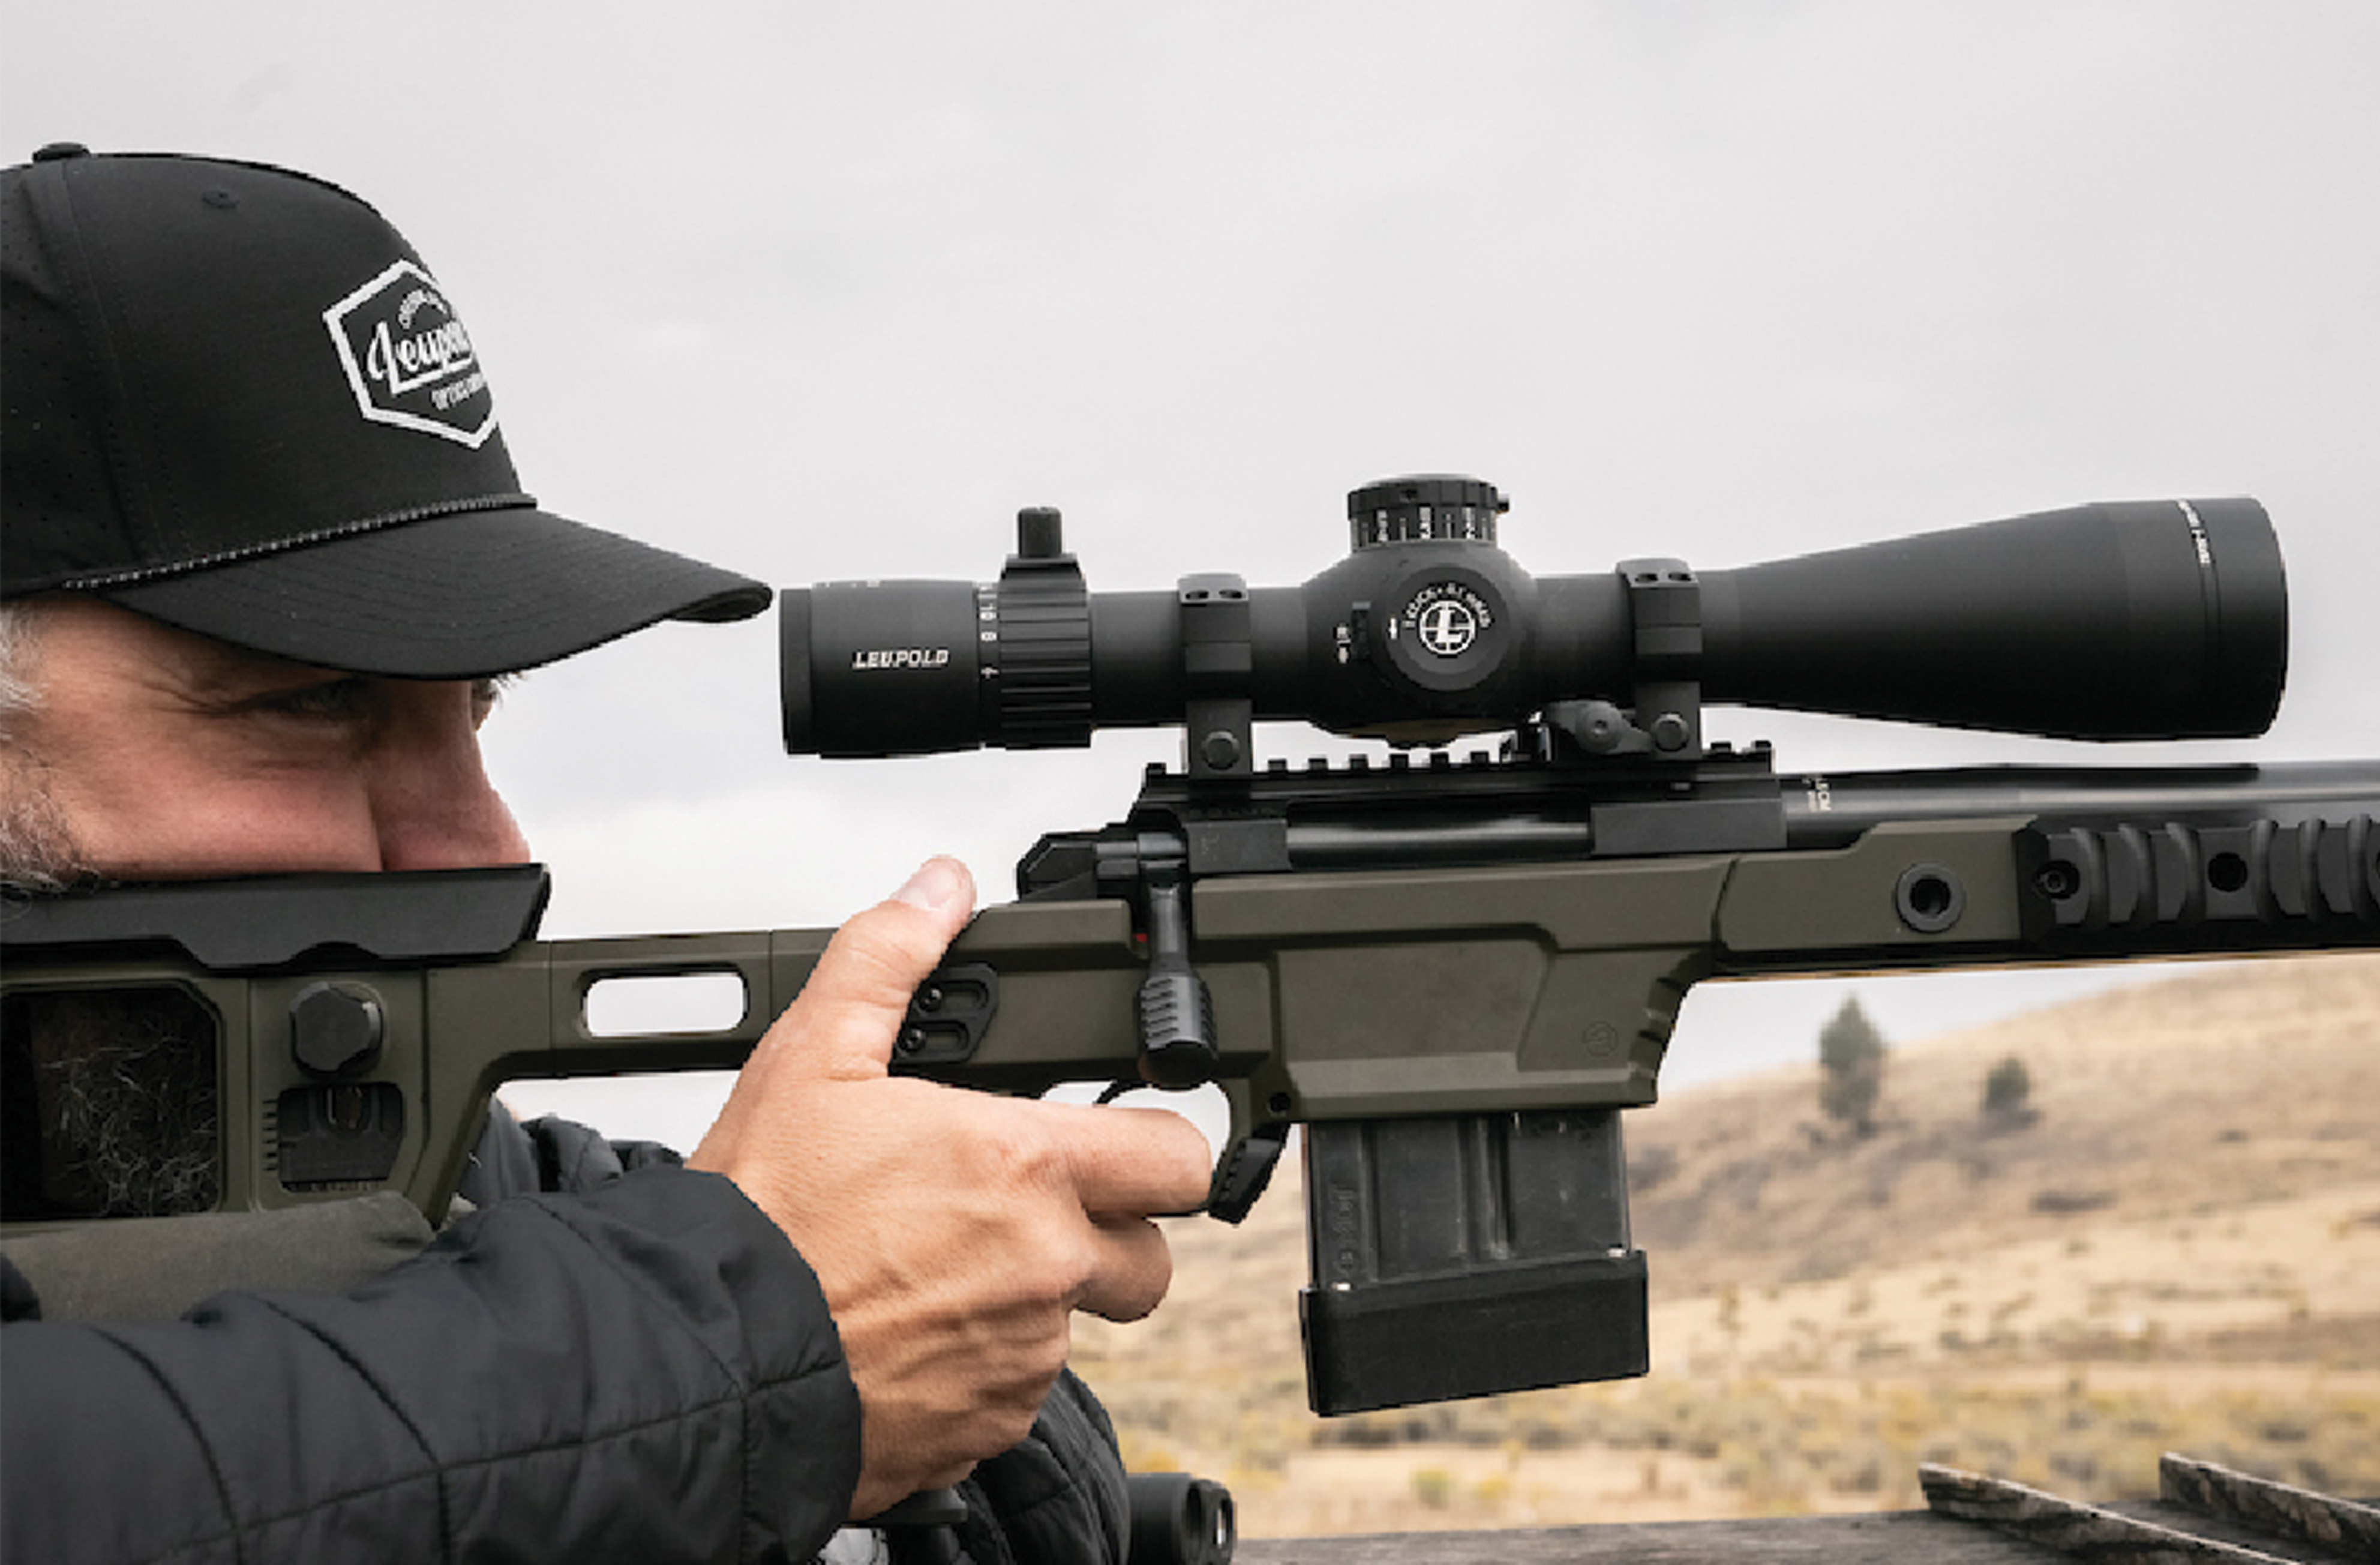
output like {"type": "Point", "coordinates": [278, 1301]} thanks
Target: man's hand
{"type": "Point", "coordinates": [953, 1232]}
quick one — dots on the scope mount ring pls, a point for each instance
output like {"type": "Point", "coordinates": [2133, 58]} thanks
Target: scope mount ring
{"type": "Point", "coordinates": [1665, 612]}
{"type": "Point", "coordinates": [1218, 660]}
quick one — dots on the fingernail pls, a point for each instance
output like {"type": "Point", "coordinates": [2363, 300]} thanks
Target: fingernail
{"type": "Point", "coordinates": [938, 884]}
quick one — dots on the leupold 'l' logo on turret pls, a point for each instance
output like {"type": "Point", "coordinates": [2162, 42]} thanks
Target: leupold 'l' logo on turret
{"type": "Point", "coordinates": [408, 359]}
{"type": "Point", "coordinates": [1446, 618]}
{"type": "Point", "coordinates": [1448, 628]}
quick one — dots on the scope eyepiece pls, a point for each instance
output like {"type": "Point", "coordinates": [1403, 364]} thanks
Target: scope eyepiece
{"type": "Point", "coordinates": [2135, 620]}
{"type": "Point", "coordinates": [918, 667]}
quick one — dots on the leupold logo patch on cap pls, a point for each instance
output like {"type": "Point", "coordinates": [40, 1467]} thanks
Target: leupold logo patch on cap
{"type": "Point", "coordinates": [408, 357]}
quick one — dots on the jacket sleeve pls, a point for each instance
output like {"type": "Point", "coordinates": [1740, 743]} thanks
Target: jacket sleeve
{"type": "Point", "coordinates": [1058, 1499]}
{"type": "Point", "coordinates": [642, 1371]}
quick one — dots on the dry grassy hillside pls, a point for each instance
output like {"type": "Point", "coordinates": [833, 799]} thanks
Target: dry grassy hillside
{"type": "Point", "coordinates": [2213, 1088]}
{"type": "Point", "coordinates": [2179, 1246]}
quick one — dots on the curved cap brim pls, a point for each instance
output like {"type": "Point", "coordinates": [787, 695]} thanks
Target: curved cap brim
{"type": "Point", "coordinates": [462, 596]}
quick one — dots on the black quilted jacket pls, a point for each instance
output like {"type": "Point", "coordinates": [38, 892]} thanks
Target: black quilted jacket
{"type": "Point", "coordinates": [615, 1358]}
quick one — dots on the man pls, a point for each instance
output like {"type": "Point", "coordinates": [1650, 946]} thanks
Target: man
{"type": "Point", "coordinates": [264, 554]}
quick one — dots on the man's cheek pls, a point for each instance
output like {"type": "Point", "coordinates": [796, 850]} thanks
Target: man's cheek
{"type": "Point", "coordinates": [236, 831]}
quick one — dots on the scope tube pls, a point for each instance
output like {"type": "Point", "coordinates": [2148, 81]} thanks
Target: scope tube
{"type": "Point", "coordinates": [1137, 679]}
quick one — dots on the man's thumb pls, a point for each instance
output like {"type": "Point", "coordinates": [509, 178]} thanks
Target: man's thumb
{"type": "Point", "coordinates": [943, 888]}
{"type": "Point", "coordinates": [848, 1014]}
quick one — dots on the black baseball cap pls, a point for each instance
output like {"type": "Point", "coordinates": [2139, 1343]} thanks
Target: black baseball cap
{"type": "Point", "coordinates": [238, 403]}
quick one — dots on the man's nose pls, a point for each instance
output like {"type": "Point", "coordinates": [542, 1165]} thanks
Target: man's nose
{"type": "Point", "coordinates": [432, 805]}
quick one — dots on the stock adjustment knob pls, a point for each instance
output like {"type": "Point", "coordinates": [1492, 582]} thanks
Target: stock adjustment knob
{"type": "Point", "coordinates": [336, 1029]}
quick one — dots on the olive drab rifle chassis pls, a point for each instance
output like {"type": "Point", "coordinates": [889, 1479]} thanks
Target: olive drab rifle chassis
{"type": "Point", "coordinates": [1454, 972]}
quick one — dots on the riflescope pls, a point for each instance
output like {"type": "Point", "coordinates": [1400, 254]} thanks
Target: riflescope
{"type": "Point", "coordinates": [2134, 620]}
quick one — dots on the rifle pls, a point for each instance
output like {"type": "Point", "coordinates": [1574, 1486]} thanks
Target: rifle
{"type": "Point", "coordinates": [1454, 973]}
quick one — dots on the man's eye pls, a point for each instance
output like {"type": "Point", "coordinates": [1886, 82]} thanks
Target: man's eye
{"type": "Point", "coordinates": [488, 694]}
{"type": "Point", "coordinates": [334, 699]}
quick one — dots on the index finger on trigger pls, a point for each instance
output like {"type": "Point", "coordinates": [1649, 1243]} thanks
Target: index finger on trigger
{"type": "Point", "coordinates": [1134, 1163]}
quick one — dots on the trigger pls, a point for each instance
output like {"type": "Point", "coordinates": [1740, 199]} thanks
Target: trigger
{"type": "Point", "coordinates": [1244, 1170]}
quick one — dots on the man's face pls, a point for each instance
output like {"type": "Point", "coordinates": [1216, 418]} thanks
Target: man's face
{"type": "Point", "coordinates": [164, 754]}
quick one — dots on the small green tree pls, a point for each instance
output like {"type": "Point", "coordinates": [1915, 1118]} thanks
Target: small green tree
{"type": "Point", "coordinates": [1850, 1067]}
{"type": "Point", "coordinates": [2008, 1092]}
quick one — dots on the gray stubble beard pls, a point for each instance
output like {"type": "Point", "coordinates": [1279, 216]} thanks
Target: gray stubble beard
{"type": "Point", "coordinates": [38, 851]}
{"type": "Point", "coordinates": [128, 1112]}
{"type": "Point", "coordinates": [127, 1108]}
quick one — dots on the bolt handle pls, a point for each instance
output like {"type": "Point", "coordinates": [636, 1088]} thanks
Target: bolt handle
{"type": "Point", "coordinates": [1177, 1014]}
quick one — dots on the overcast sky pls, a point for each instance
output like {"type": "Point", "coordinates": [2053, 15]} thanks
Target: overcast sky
{"type": "Point", "coordinates": [827, 292]}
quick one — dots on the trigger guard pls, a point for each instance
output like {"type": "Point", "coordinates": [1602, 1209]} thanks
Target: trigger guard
{"type": "Point", "coordinates": [1245, 1169]}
